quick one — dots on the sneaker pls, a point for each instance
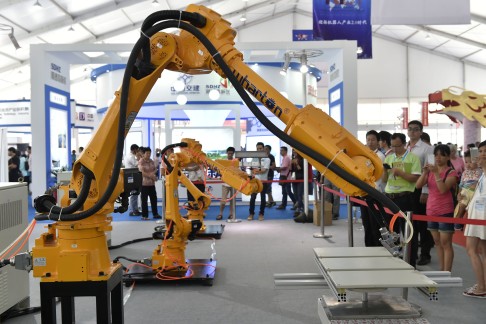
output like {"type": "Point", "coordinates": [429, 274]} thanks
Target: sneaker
{"type": "Point", "coordinates": [219, 217]}
{"type": "Point", "coordinates": [271, 204]}
{"type": "Point", "coordinates": [157, 217]}
{"type": "Point", "coordinates": [230, 217]}
{"type": "Point", "coordinates": [260, 217]}
{"type": "Point", "coordinates": [250, 217]}
{"type": "Point", "coordinates": [144, 218]}
{"type": "Point", "coordinates": [281, 207]}
{"type": "Point", "coordinates": [135, 214]}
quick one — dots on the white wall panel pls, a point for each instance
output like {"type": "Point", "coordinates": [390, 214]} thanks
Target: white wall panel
{"type": "Point", "coordinates": [384, 76]}
{"type": "Point", "coordinates": [429, 73]}
{"type": "Point", "coordinates": [475, 79]}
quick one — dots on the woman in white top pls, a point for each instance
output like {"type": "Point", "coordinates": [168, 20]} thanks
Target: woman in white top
{"type": "Point", "coordinates": [476, 234]}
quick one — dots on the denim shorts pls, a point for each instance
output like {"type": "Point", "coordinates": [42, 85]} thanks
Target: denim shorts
{"type": "Point", "coordinates": [442, 227]}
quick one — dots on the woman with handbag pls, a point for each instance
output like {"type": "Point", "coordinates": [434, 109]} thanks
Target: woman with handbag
{"type": "Point", "coordinates": [476, 234]}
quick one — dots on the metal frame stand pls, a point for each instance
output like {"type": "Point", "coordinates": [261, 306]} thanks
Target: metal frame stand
{"type": "Point", "coordinates": [109, 299]}
{"type": "Point", "coordinates": [321, 215]}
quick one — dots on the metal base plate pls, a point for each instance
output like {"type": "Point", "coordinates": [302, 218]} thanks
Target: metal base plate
{"type": "Point", "coordinates": [214, 231]}
{"type": "Point", "coordinates": [390, 309]}
{"type": "Point", "coordinates": [200, 271]}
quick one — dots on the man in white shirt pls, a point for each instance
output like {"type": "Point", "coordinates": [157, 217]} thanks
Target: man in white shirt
{"type": "Point", "coordinates": [131, 161]}
{"type": "Point", "coordinates": [422, 150]}
{"type": "Point", "coordinates": [285, 174]}
{"type": "Point", "coordinates": [262, 174]}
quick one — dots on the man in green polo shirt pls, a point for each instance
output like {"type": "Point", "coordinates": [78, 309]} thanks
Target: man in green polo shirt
{"type": "Point", "coordinates": [402, 171]}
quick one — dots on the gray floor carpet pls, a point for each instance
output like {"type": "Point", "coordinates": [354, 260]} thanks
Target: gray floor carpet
{"type": "Point", "coordinates": [248, 255]}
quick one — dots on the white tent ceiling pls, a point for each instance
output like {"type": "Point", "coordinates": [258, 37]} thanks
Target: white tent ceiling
{"type": "Point", "coordinates": [118, 21]}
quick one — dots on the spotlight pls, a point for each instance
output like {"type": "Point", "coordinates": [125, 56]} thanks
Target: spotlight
{"type": "Point", "coordinates": [243, 18]}
{"type": "Point", "coordinates": [303, 61]}
{"type": "Point", "coordinates": [9, 30]}
{"type": "Point", "coordinates": [71, 29]}
{"type": "Point", "coordinates": [155, 3]}
{"type": "Point", "coordinates": [37, 4]}
{"type": "Point", "coordinates": [286, 64]}
{"type": "Point", "coordinates": [179, 85]}
{"type": "Point", "coordinates": [181, 100]}
{"type": "Point", "coordinates": [214, 94]}
{"type": "Point", "coordinates": [359, 50]}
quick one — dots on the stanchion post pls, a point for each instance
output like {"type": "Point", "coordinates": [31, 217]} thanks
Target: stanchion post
{"type": "Point", "coordinates": [350, 222]}
{"type": "Point", "coordinates": [321, 213]}
{"type": "Point", "coordinates": [233, 208]}
{"type": "Point", "coordinates": [406, 250]}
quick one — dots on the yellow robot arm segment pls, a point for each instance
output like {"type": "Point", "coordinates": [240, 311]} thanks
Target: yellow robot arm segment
{"type": "Point", "coordinates": [99, 154]}
{"type": "Point", "coordinates": [309, 125]}
{"type": "Point", "coordinates": [229, 170]}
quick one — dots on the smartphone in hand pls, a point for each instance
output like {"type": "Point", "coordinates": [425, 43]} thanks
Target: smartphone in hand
{"type": "Point", "coordinates": [474, 153]}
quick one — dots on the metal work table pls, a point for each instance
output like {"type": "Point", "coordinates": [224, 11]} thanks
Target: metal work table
{"type": "Point", "coordinates": [366, 270]}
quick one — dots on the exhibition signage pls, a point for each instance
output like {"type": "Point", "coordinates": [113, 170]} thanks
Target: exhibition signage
{"type": "Point", "coordinates": [404, 117]}
{"type": "Point", "coordinates": [425, 113]}
{"type": "Point", "coordinates": [344, 20]}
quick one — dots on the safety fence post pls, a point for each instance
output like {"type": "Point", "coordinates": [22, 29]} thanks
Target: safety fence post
{"type": "Point", "coordinates": [350, 222]}
{"type": "Point", "coordinates": [321, 213]}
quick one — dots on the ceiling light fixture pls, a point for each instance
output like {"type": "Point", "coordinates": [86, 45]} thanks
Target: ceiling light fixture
{"type": "Point", "coordinates": [9, 30]}
{"type": "Point", "coordinates": [427, 36]}
{"type": "Point", "coordinates": [285, 67]}
{"type": "Point", "coordinates": [37, 4]}
{"type": "Point", "coordinates": [359, 50]}
{"type": "Point", "coordinates": [155, 3]}
{"type": "Point", "coordinates": [71, 29]}
{"type": "Point", "coordinates": [243, 18]}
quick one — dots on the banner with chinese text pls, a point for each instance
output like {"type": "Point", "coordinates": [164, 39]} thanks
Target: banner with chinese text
{"type": "Point", "coordinates": [344, 20]}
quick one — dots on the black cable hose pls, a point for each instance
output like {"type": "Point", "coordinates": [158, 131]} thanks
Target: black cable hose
{"type": "Point", "coordinates": [121, 129]}
{"type": "Point", "coordinates": [279, 133]}
{"type": "Point", "coordinates": [19, 312]}
{"type": "Point", "coordinates": [78, 203]}
{"type": "Point", "coordinates": [245, 97]}
{"type": "Point", "coordinates": [113, 247]}
{"type": "Point", "coordinates": [193, 17]}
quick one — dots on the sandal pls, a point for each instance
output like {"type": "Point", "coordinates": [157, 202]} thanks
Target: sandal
{"type": "Point", "coordinates": [219, 217]}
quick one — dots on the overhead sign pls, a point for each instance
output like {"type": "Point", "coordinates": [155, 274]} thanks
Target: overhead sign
{"type": "Point", "coordinates": [345, 20]}
{"type": "Point", "coordinates": [14, 113]}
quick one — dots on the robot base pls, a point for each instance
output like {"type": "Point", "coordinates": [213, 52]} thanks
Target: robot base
{"type": "Point", "coordinates": [379, 308]}
{"type": "Point", "coordinates": [200, 271]}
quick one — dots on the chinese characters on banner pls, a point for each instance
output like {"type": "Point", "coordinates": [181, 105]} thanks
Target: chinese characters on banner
{"type": "Point", "coordinates": [425, 113]}
{"type": "Point", "coordinates": [404, 117]}
{"type": "Point", "coordinates": [350, 20]}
